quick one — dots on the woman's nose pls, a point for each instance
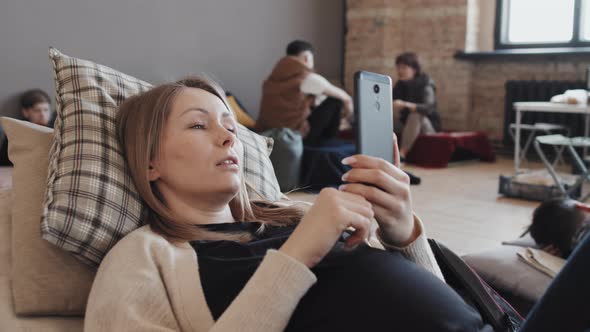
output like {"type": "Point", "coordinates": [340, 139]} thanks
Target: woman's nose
{"type": "Point", "coordinates": [228, 138]}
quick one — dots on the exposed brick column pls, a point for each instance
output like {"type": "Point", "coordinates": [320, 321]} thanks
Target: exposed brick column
{"type": "Point", "coordinates": [374, 35]}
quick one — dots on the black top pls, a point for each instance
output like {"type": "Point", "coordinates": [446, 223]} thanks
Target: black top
{"type": "Point", "coordinates": [420, 90]}
{"type": "Point", "coordinates": [364, 289]}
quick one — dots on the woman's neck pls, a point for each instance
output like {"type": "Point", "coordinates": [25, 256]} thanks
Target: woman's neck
{"type": "Point", "coordinates": [200, 210]}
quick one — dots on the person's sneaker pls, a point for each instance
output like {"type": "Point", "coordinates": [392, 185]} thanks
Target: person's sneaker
{"type": "Point", "coordinates": [414, 180]}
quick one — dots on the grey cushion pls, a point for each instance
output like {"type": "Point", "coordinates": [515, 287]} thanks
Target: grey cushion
{"type": "Point", "coordinates": [286, 156]}
{"type": "Point", "coordinates": [521, 284]}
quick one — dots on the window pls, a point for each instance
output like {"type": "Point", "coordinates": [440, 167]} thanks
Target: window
{"type": "Point", "coordinates": [542, 23]}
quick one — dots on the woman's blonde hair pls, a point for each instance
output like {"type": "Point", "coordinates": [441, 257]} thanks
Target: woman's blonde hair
{"type": "Point", "coordinates": [140, 125]}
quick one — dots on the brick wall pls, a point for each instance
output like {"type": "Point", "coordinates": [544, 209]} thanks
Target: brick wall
{"type": "Point", "coordinates": [470, 93]}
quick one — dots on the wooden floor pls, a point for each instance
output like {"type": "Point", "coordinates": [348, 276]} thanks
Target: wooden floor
{"type": "Point", "coordinates": [460, 205]}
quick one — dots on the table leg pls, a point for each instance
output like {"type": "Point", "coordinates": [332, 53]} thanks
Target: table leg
{"type": "Point", "coordinates": [517, 142]}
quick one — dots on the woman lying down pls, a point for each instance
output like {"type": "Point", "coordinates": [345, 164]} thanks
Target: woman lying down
{"type": "Point", "coordinates": [210, 259]}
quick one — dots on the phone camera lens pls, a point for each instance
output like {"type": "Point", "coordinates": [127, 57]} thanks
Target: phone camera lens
{"type": "Point", "coordinates": [376, 88]}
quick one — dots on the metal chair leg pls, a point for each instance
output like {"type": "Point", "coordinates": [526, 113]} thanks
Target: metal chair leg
{"type": "Point", "coordinates": [580, 164]}
{"type": "Point", "coordinates": [527, 145]}
{"type": "Point", "coordinates": [549, 167]}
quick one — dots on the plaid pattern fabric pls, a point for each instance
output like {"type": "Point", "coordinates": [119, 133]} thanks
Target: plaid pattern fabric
{"type": "Point", "coordinates": [91, 201]}
{"type": "Point", "coordinates": [260, 176]}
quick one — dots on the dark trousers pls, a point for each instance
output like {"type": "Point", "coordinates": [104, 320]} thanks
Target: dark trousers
{"type": "Point", "coordinates": [324, 121]}
{"type": "Point", "coordinates": [565, 306]}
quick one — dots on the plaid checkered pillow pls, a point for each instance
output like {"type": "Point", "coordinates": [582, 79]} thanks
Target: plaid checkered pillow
{"type": "Point", "coordinates": [91, 201]}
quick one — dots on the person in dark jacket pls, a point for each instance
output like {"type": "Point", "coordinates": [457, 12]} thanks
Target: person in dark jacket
{"type": "Point", "coordinates": [414, 102]}
{"type": "Point", "coordinates": [36, 108]}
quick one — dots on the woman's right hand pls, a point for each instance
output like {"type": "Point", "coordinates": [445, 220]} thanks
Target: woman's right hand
{"type": "Point", "coordinates": [331, 214]}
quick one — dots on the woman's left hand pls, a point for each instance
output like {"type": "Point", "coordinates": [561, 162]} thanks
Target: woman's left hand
{"type": "Point", "coordinates": [387, 188]}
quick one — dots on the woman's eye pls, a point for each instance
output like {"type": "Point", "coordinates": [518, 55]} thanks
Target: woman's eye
{"type": "Point", "coordinates": [232, 130]}
{"type": "Point", "coordinates": [198, 126]}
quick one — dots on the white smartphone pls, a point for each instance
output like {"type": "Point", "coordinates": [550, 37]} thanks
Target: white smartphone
{"type": "Point", "coordinates": [373, 109]}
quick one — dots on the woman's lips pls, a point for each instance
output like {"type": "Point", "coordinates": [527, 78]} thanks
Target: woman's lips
{"type": "Point", "coordinates": [229, 163]}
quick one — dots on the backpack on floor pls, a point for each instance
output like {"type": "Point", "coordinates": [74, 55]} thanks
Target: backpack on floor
{"type": "Point", "coordinates": [494, 309]}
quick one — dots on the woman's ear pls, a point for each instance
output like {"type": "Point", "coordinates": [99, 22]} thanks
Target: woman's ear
{"type": "Point", "coordinates": [153, 173]}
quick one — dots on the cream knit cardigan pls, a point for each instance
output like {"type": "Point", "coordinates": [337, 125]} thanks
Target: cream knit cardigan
{"type": "Point", "coordinates": [145, 283]}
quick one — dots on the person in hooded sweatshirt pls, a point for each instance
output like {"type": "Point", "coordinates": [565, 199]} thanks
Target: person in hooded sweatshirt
{"type": "Point", "coordinates": [296, 97]}
{"type": "Point", "coordinates": [414, 102]}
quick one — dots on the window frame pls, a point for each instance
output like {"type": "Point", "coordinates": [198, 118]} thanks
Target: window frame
{"type": "Point", "coordinates": [502, 20]}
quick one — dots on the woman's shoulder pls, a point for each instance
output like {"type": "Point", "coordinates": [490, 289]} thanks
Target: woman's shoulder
{"type": "Point", "coordinates": [427, 80]}
{"type": "Point", "coordinates": [143, 246]}
{"type": "Point", "coordinates": [144, 235]}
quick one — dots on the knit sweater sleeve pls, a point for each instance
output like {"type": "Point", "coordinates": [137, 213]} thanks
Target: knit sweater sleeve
{"type": "Point", "coordinates": [269, 298]}
{"type": "Point", "coordinates": [129, 294]}
{"type": "Point", "coordinates": [418, 251]}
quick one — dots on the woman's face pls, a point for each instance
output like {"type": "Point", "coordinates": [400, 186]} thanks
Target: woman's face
{"type": "Point", "coordinates": [200, 155]}
{"type": "Point", "coordinates": [405, 72]}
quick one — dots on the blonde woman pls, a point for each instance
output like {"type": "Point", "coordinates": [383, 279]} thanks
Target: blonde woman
{"type": "Point", "coordinates": [210, 259]}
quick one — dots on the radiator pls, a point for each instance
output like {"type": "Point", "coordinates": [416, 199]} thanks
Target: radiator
{"type": "Point", "coordinates": [540, 91]}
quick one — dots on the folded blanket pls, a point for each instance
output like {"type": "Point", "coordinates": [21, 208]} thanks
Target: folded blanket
{"type": "Point", "coordinates": [542, 261]}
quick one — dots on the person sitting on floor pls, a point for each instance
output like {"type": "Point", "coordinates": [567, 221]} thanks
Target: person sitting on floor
{"type": "Point", "coordinates": [34, 107]}
{"type": "Point", "coordinates": [559, 224]}
{"type": "Point", "coordinates": [296, 97]}
{"type": "Point", "coordinates": [414, 102]}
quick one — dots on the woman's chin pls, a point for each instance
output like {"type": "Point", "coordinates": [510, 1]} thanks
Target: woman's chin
{"type": "Point", "coordinates": [232, 187]}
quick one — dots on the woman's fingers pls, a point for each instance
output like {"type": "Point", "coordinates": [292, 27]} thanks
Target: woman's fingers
{"type": "Point", "coordinates": [362, 229]}
{"type": "Point", "coordinates": [359, 213]}
{"type": "Point", "coordinates": [380, 179]}
{"type": "Point", "coordinates": [363, 161]}
{"type": "Point", "coordinates": [371, 194]}
{"type": "Point", "coordinates": [356, 204]}
{"type": "Point", "coordinates": [396, 157]}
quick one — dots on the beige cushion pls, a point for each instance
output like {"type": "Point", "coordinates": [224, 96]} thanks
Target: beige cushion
{"type": "Point", "coordinates": [45, 279]}
{"type": "Point", "coordinates": [514, 279]}
{"type": "Point", "coordinates": [5, 229]}
{"type": "Point", "coordinates": [10, 322]}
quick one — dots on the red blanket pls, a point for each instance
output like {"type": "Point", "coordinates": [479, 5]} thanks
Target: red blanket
{"type": "Point", "coordinates": [437, 150]}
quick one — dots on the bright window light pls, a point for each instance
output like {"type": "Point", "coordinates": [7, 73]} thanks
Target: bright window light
{"type": "Point", "coordinates": [585, 24]}
{"type": "Point", "coordinates": [541, 21]}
